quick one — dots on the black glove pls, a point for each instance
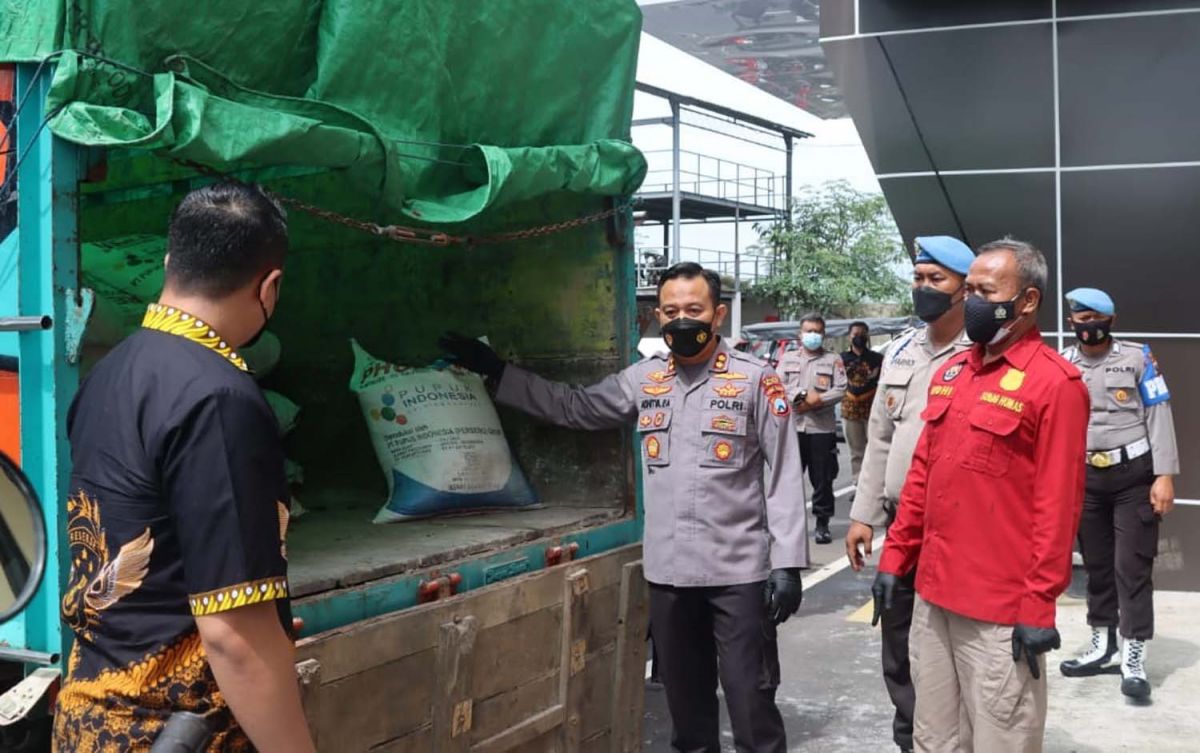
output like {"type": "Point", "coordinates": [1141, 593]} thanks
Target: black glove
{"type": "Point", "coordinates": [884, 591]}
{"type": "Point", "coordinates": [473, 355]}
{"type": "Point", "coordinates": [1033, 641]}
{"type": "Point", "coordinates": [783, 594]}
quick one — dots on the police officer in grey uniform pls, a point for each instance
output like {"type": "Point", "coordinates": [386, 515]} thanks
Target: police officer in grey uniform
{"type": "Point", "coordinates": [1131, 460]}
{"type": "Point", "coordinates": [909, 362]}
{"type": "Point", "coordinates": [816, 381]}
{"type": "Point", "coordinates": [725, 530]}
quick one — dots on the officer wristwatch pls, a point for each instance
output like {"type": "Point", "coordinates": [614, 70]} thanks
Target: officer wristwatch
{"type": "Point", "coordinates": [802, 396]}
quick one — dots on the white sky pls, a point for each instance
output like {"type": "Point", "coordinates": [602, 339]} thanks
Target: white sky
{"type": "Point", "coordinates": [834, 153]}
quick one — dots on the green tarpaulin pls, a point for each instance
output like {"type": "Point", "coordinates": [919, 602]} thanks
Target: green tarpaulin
{"type": "Point", "coordinates": [445, 107]}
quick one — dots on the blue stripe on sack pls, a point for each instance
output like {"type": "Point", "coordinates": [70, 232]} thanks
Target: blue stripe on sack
{"type": "Point", "coordinates": [412, 499]}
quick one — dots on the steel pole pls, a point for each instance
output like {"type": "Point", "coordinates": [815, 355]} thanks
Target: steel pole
{"type": "Point", "coordinates": [676, 199]}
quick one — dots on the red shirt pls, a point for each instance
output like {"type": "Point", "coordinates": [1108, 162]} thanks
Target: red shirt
{"type": "Point", "coordinates": [993, 498]}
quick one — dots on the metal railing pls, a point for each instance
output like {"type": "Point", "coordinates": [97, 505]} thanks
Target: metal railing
{"type": "Point", "coordinates": [717, 178]}
{"type": "Point", "coordinates": [652, 261]}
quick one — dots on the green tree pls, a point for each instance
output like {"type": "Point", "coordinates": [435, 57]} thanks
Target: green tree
{"type": "Point", "coordinates": [840, 250]}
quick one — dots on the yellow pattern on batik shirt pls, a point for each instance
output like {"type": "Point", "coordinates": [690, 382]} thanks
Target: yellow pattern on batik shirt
{"type": "Point", "coordinates": [162, 318]}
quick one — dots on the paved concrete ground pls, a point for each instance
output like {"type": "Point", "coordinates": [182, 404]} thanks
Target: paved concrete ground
{"type": "Point", "coordinates": [833, 699]}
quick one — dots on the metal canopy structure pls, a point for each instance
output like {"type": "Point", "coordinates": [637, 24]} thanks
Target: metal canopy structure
{"type": "Point", "coordinates": [703, 188]}
{"type": "Point", "coordinates": [689, 187]}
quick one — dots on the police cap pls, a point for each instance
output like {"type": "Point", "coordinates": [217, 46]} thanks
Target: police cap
{"type": "Point", "coordinates": [1091, 299]}
{"type": "Point", "coordinates": [949, 252]}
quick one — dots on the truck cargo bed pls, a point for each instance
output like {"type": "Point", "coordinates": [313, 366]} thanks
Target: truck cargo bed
{"type": "Point", "coordinates": [335, 544]}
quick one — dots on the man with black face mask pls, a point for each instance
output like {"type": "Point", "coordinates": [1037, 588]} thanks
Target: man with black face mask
{"type": "Point", "coordinates": [989, 510]}
{"type": "Point", "coordinates": [178, 591]}
{"type": "Point", "coordinates": [1131, 461]}
{"type": "Point", "coordinates": [862, 379]}
{"type": "Point", "coordinates": [725, 521]}
{"type": "Point", "coordinates": [939, 270]}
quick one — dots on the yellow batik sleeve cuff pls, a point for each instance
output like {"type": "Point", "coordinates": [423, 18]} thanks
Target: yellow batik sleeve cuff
{"type": "Point", "coordinates": [241, 595]}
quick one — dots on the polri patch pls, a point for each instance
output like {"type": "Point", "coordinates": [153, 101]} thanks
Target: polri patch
{"type": "Point", "coordinates": [723, 450]}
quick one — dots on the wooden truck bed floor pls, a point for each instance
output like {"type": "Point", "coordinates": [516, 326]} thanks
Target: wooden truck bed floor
{"type": "Point", "coordinates": [335, 544]}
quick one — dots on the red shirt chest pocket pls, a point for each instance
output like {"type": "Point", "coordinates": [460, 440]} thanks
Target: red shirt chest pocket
{"type": "Point", "coordinates": [991, 436]}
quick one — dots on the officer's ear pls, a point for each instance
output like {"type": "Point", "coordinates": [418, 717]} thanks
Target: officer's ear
{"type": "Point", "coordinates": [1031, 302]}
{"type": "Point", "coordinates": [719, 317]}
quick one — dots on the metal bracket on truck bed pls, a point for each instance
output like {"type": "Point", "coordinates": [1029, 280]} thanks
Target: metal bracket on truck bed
{"type": "Point", "coordinates": [441, 587]}
{"type": "Point", "coordinates": [23, 697]}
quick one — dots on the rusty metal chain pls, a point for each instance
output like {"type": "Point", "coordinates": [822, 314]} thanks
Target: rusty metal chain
{"type": "Point", "coordinates": [419, 236]}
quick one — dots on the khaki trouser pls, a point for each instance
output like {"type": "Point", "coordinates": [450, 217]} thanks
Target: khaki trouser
{"type": "Point", "coordinates": [856, 439]}
{"type": "Point", "coordinates": [971, 696]}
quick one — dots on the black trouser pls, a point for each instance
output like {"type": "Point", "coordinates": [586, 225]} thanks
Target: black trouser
{"type": "Point", "coordinates": [703, 633]}
{"type": "Point", "coordinates": [1118, 537]}
{"type": "Point", "coordinates": [818, 454]}
{"type": "Point", "coordinates": [896, 668]}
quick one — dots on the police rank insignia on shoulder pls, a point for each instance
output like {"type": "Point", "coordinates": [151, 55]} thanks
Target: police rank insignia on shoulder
{"type": "Point", "coordinates": [1012, 380]}
{"type": "Point", "coordinates": [656, 390]}
{"type": "Point", "coordinates": [729, 390]}
{"type": "Point", "coordinates": [952, 372]}
{"type": "Point", "coordinates": [721, 361]}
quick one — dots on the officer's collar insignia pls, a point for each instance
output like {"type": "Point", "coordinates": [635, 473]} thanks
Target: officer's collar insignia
{"type": "Point", "coordinates": [952, 372]}
{"type": "Point", "coordinates": [1012, 380]}
{"type": "Point", "coordinates": [729, 390]}
{"type": "Point", "coordinates": [181, 324]}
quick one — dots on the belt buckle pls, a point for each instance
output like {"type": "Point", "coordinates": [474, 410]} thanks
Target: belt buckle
{"type": "Point", "coordinates": [1099, 460]}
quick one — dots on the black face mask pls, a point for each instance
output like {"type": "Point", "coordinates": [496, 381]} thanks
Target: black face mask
{"type": "Point", "coordinates": [1095, 332]}
{"type": "Point", "coordinates": [984, 319]}
{"type": "Point", "coordinates": [929, 303]}
{"type": "Point", "coordinates": [687, 337]}
{"type": "Point", "coordinates": [266, 320]}
{"type": "Point", "coordinates": [861, 342]}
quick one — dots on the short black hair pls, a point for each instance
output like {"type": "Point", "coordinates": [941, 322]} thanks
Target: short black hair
{"type": "Point", "coordinates": [813, 317]}
{"type": "Point", "coordinates": [859, 324]}
{"type": "Point", "coordinates": [690, 270]}
{"type": "Point", "coordinates": [222, 237]}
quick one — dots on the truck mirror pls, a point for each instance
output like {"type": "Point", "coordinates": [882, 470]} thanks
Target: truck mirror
{"type": "Point", "coordinates": [22, 540]}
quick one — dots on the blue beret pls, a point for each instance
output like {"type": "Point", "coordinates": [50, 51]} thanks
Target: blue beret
{"type": "Point", "coordinates": [1091, 299]}
{"type": "Point", "coordinates": [949, 252]}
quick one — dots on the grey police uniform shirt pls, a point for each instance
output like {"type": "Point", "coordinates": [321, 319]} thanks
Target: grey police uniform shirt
{"type": "Point", "coordinates": [1130, 402]}
{"type": "Point", "coordinates": [723, 490]}
{"type": "Point", "coordinates": [823, 372]}
{"type": "Point", "coordinates": [895, 425]}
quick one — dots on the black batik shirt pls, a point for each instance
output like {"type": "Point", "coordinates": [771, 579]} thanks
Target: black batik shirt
{"type": "Point", "coordinates": [177, 509]}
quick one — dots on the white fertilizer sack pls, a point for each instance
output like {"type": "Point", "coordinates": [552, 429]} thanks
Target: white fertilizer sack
{"type": "Point", "coordinates": [437, 435]}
